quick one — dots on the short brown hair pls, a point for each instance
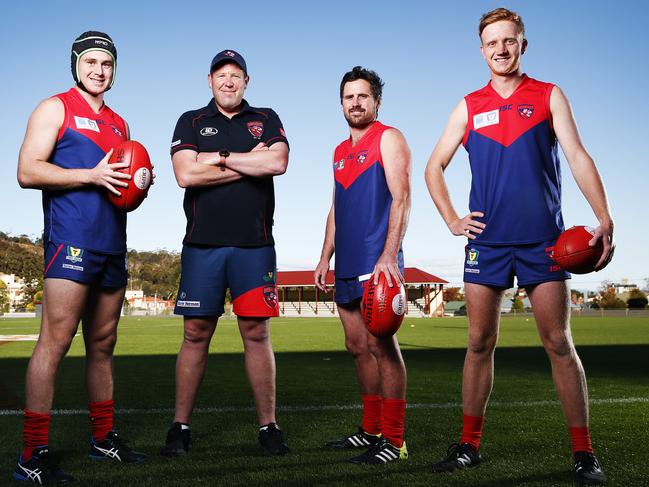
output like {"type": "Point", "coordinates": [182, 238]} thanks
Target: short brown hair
{"type": "Point", "coordinates": [499, 14]}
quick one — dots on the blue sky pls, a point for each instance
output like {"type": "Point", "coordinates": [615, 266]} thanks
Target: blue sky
{"type": "Point", "coordinates": [426, 52]}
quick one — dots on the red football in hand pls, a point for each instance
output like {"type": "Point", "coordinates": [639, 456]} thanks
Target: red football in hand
{"type": "Point", "coordinates": [383, 307]}
{"type": "Point", "coordinates": [572, 252]}
{"type": "Point", "coordinates": [141, 172]}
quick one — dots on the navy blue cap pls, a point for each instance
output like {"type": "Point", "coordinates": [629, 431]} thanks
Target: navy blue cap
{"type": "Point", "coordinates": [228, 56]}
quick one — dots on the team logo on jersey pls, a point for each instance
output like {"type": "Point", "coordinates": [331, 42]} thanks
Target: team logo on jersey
{"type": "Point", "coordinates": [485, 119]}
{"type": "Point", "coordinates": [209, 131]}
{"type": "Point", "coordinates": [74, 254]}
{"type": "Point", "coordinates": [269, 277]}
{"type": "Point", "coordinates": [86, 124]}
{"type": "Point", "coordinates": [256, 129]}
{"type": "Point", "coordinates": [360, 158]}
{"type": "Point", "coordinates": [339, 165]}
{"type": "Point", "coordinates": [525, 111]}
{"type": "Point", "coordinates": [472, 257]}
{"type": "Point", "coordinates": [270, 296]}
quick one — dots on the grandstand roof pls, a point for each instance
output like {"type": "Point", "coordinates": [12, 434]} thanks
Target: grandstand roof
{"type": "Point", "coordinates": [413, 275]}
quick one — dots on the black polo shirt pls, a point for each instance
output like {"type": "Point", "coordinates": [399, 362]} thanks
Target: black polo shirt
{"type": "Point", "coordinates": [240, 213]}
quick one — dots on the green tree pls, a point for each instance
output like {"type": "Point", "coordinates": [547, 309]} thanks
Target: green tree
{"type": "Point", "coordinates": [517, 305]}
{"type": "Point", "coordinates": [4, 298]}
{"type": "Point", "coordinates": [637, 300]}
{"type": "Point", "coordinates": [609, 300]}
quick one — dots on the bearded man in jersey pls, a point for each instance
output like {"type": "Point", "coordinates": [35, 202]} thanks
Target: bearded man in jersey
{"type": "Point", "coordinates": [69, 140]}
{"type": "Point", "coordinates": [510, 128]}
{"type": "Point", "coordinates": [365, 228]}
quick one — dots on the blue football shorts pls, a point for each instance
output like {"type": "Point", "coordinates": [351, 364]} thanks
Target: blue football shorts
{"type": "Point", "coordinates": [496, 265]}
{"type": "Point", "coordinates": [64, 261]}
{"type": "Point", "coordinates": [207, 272]}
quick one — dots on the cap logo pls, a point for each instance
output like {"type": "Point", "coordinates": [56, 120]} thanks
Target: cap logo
{"type": "Point", "coordinates": [229, 53]}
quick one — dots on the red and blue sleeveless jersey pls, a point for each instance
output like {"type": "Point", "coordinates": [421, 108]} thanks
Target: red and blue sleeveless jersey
{"type": "Point", "coordinates": [84, 217]}
{"type": "Point", "coordinates": [362, 204]}
{"type": "Point", "coordinates": [513, 152]}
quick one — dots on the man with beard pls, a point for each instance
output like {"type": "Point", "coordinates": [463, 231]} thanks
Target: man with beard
{"type": "Point", "coordinates": [365, 228]}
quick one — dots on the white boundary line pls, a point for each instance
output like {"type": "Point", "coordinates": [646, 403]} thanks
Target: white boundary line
{"type": "Point", "coordinates": [333, 407]}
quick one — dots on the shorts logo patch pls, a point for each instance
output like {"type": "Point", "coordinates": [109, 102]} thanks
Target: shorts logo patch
{"type": "Point", "coordinates": [208, 131]}
{"type": "Point", "coordinates": [270, 296]}
{"type": "Point", "coordinates": [188, 304]}
{"type": "Point", "coordinates": [269, 277]}
{"type": "Point", "coordinates": [72, 267]}
{"type": "Point", "coordinates": [472, 257]}
{"type": "Point", "coordinates": [256, 129]}
{"type": "Point", "coordinates": [525, 111]}
{"type": "Point", "coordinates": [74, 254]}
{"type": "Point", "coordinates": [86, 124]}
{"type": "Point", "coordinates": [485, 119]}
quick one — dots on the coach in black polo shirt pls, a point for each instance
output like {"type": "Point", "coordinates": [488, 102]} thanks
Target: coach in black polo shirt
{"type": "Point", "coordinates": [225, 156]}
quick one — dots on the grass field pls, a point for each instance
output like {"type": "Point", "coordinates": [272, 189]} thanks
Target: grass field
{"type": "Point", "coordinates": [525, 439]}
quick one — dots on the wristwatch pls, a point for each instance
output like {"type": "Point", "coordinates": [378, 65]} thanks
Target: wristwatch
{"type": "Point", "coordinates": [224, 155]}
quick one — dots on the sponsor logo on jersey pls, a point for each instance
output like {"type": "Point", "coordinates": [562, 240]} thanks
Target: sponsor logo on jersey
{"type": "Point", "coordinates": [175, 143]}
{"type": "Point", "coordinates": [525, 111]}
{"type": "Point", "coordinates": [86, 124]}
{"type": "Point", "coordinates": [208, 132]}
{"type": "Point", "coordinates": [269, 277]}
{"type": "Point", "coordinates": [188, 304]}
{"type": "Point", "coordinates": [485, 119]}
{"type": "Point", "coordinates": [116, 130]}
{"type": "Point", "coordinates": [472, 257]}
{"type": "Point", "coordinates": [256, 128]}
{"type": "Point", "coordinates": [270, 296]}
{"type": "Point", "coordinates": [360, 158]}
{"type": "Point", "coordinates": [74, 254]}
{"type": "Point", "coordinates": [339, 165]}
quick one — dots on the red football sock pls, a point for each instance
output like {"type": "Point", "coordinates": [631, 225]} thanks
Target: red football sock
{"type": "Point", "coordinates": [394, 413]}
{"type": "Point", "coordinates": [101, 417]}
{"type": "Point", "coordinates": [580, 439]}
{"type": "Point", "coordinates": [372, 414]}
{"type": "Point", "coordinates": [472, 430]}
{"type": "Point", "coordinates": [36, 430]}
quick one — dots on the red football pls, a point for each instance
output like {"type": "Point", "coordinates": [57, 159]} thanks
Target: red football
{"type": "Point", "coordinates": [383, 307]}
{"type": "Point", "coordinates": [572, 252]}
{"type": "Point", "coordinates": [141, 172]}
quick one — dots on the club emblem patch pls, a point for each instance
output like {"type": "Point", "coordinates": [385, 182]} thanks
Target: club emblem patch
{"type": "Point", "coordinates": [256, 129]}
{"type": "Point", "coordinates": [472, 257]}
{"type": "Point", "coordinates": [270, 296]}
{"type": "Point", "coordinates": [360, 158]}
{"type": "Point", "coordinates": [526, 111]}
{"type": "Point", "coordinates": [74, 254]}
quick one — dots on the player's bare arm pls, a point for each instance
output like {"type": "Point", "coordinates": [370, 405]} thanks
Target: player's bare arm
{"type": "Point", "coordinates": [320, 273]}
{"type": "Point", "coordinates": [396, 164]}
{"type": "Point", "coordinates": [437, 163]}
{"type": "Point", "coordinates": [34, 169]}
{"type": "Point", "coordinates": [584, 171]}
{"type": "Point", "coordinates": [191, 170]}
